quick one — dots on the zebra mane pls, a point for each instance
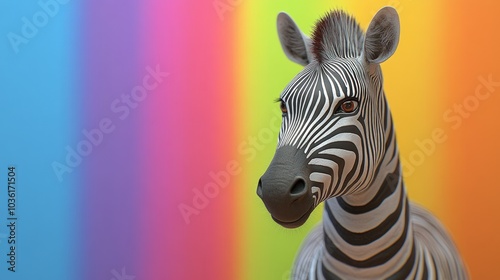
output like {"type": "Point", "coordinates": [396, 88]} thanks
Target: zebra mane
{"type": "Point", "coordinates": [337, 35]}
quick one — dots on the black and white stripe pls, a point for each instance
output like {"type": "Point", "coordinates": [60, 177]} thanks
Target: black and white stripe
{"type": "Point", "coordinates": [369, 229]}
{"type": "Point", "coordinates": [337, 145]}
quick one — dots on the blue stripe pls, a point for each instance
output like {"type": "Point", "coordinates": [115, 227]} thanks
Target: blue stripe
{"type": "Point", "coordinates": [39, 93]}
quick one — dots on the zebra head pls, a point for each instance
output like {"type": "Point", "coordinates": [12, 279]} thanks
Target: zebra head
{"type": "Point", "coordinates": [335, 116]}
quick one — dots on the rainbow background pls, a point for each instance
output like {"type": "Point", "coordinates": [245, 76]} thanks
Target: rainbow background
{"type": "Point", "coordinates": [208, 123]}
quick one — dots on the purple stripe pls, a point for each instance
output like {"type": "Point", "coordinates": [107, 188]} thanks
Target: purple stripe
{"type": "Point", "coordinates": [111, 181]}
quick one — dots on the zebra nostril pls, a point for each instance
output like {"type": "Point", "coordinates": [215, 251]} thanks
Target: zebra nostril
{"type": "Point", "coordinates": [298, 188]}
{"type": "Point", "coordinates": [259, 189]}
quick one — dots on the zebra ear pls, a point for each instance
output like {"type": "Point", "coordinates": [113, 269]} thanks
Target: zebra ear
{"type": "Point", "coordinates": [382, 36]}
{"type": "Point", "coordinates": [295, 44]}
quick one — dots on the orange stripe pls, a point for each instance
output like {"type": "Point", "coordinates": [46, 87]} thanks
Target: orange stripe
{"type": "Point", "coordinates": [473, 153]}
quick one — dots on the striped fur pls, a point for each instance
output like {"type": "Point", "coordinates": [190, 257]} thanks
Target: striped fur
{"type": "Point", "coordinates": [337, 35]}
{"type": "Point", "coordinates": [369, 229]}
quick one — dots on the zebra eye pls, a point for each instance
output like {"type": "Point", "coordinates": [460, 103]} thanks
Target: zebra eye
{"type": "Point", "coordinates": [283, 107]}
{"type": "Point", "coordinates": [348, 106]}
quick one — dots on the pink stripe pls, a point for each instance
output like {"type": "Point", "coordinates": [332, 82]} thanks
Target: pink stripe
{"type": "Point", "coordinates": [187, 137]}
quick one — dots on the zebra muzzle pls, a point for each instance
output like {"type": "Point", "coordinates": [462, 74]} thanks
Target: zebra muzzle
{"type": "Point", "coordinates": [285, 188]}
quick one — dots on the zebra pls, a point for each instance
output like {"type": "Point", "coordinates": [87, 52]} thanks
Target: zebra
{"type": "Point", "coordinates": [337, 144]}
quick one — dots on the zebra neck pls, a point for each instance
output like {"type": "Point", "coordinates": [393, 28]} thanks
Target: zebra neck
{"type": "Point", "coordinates": [369, 233]}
